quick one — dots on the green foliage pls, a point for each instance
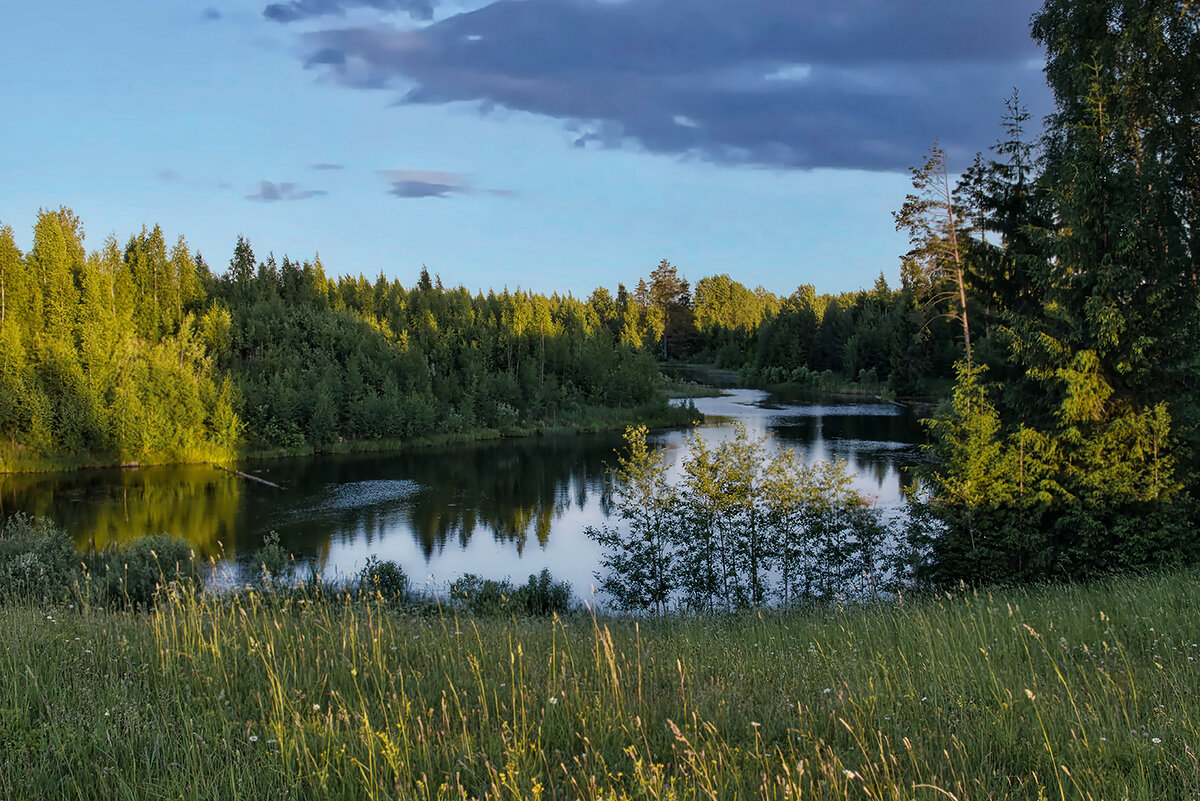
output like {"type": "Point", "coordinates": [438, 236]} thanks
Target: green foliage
{"type": "Point", "coordinates": [135, 574]}
{"type": "Point", "coordinates": [742, 529]}
{"type": "Point", "coordinates": [273, 562]}
{"type": "Point", "coordinates": [540, 596]}
{"type": "Point", "coordinates": [102, 361]}
{"type": "Point", "coordinates": [384, 578]}
{"type": "Point", "coordinates": [37, 560]}
{"type": "Point", "coordinates": [638, 572]}
{"type": "Point", "coordinates": [1079, 457]}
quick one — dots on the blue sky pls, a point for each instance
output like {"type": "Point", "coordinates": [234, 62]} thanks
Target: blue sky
{"type": "Point", "coordinates": [555, 145]}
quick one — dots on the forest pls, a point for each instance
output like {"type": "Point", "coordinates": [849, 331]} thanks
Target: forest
{"type": "Point", "coordinates": [1050, 301]}
{"type": "Point", "coordinates": [140, 353]}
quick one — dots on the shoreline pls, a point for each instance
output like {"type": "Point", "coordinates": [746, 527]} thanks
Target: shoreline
{"type": "Point", "coordinates": [615, 422]}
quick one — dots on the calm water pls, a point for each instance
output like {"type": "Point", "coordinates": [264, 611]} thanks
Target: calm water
{"type": "Point", "coordinates": [499, 509]}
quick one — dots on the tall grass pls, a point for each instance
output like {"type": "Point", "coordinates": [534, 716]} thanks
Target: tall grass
{"type": "Point", "coordinates": [1088, 692]}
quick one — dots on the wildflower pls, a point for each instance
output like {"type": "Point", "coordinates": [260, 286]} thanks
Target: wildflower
{"type": "Point", "coordinates": [254, 738]}
{"type": "Point", "coordinates": [755, 723]}
{"type": "Point", "coordinates": [1156, 740]}
{"type": "Point", "coordinates": [553, 700]}
{"type": "Point", "coordinates": [827, 690]}
{"type": "Point", "coordinates": [316, 707]}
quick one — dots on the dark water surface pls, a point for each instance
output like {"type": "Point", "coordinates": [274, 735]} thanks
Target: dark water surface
{"type": "Point", "coordinates": [501, 509]}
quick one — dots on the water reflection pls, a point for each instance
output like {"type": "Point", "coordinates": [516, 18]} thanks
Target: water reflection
{"type": "Point", "coordinates": [878, 441]}
{"type": "Point", "coordinates": [504, 508]}
{"type": "Point", "coordinates": [99, 507]}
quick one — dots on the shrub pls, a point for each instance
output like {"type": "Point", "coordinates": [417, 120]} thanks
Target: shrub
{"type": "Point", "coordinates": [135, 573]}
{"type": "Point", "coordinates": [384, 578]}
{"type": "Point", "coordinates": [542, 595]}
{"type": "Point", "coordinates": [273, 561]}
{"type": "Point", "coordinates": [37, 560]}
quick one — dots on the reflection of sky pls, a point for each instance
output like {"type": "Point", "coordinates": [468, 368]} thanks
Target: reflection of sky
{"type": "Point", "coordinates": [568, 553]}
{"type": "Point", "coordinates": [501, 510]}
{"type": "Point", "coordinates": [816, 432]}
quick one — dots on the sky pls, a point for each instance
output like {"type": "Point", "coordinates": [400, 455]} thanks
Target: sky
{"type": "Point", "coordinates": [551, 145]}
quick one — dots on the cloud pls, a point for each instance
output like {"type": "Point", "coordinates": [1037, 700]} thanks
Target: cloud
{"type": "Point", "coordinates": [426, 183]}
{"type": "Point", "coordinates": [304, 9]}
{"type": "Point", "coordinates": [270, 192]}
{"type": "Point", "coordinates": [865, 84]}
{"type": "Point", "coordinates": [169, 176]}
{"type": "Point", "coordinates": [328, 166]}
{"type": "Point", "coordinates": [210, 14]}
{"type": "Point", "coordinates": [434, 183]}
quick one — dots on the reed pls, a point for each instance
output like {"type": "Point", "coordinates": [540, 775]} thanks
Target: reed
{"type": "Point", "coordinates": [1087, 692]}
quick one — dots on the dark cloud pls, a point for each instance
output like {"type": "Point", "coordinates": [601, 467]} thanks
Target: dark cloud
{"type": "Point", "coordinates": [328, 166]}
{"type": "Point", "coordinates": [270, 192]}
{"type": "Point", "coordinates": [426, 183]}
{"type": "Point", "coordinates": [434, 183]}
{"type": "Point", "coordinates": [788, 83]}
{"type": "Point", "coordinates": [210, 14]}
{"type": "Point", "coordinates": [304, 9]}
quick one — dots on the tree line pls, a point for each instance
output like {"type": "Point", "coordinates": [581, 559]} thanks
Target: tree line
{"type": "Point", "coordinates": [142, 353]}
{"type": "Point", "coordinates": [1057, 281]}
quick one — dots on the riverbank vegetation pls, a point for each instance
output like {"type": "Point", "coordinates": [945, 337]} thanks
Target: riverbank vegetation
{"type": "Point", "coordinates": [741, 529]}
{"type": "Point", "coordinates": [1084, 691]}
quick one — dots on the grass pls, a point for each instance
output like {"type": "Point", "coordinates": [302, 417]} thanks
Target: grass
{"type": "Point", "coordinates": [1086, 692]}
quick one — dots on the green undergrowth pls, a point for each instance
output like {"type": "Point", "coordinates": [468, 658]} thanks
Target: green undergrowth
{"type": "Point", "coordinates": [1083, 692]}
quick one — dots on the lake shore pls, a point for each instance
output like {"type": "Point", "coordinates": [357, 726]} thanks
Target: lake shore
{"type": "Point", "coordinates": [590, 421]}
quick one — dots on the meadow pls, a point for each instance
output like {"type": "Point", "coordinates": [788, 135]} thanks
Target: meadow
{"type": "Point", "coordinates": [1083, 691]}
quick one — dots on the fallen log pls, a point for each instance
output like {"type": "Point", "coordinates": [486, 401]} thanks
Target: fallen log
{"type": "Point", "coordinates": [248, 477]}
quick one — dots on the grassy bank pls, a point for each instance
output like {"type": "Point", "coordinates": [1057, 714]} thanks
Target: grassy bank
{"type": "Point", "coordinates": [1077, 692]}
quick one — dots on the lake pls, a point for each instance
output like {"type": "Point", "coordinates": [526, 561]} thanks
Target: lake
{"type": "Point", "coordinates": [505, 508]}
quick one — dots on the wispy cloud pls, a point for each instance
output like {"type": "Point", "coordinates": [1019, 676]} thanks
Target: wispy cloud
{"type": "Point", "coordinates": [296, 10]}
{"type": "Point", "coordinates": [434, 183]}
{"type": "Point", "coordinates": [866, 84]}
{"type": "Point", "coordinates": [210, 14]}
{"type": "Point", "coordinates": [328, 166]}
{"type": "Point", "coordinates": [269, 191]}
{"type": "Point", "coordinates": [426, 183]}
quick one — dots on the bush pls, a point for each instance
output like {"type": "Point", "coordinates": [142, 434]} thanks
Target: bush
{"type": "Point", "coordinates": [481, 596]}
{"type": "Point", "coordinates": [37, 560]}
{"type": "Point", "coordinates": [542, 595]}
{"type": "Point", "coordinates": [134, 574]}
{"type": "Point", "coordinates": [384, 578]}
{"type": "Point", "coordinates": [273, 561]}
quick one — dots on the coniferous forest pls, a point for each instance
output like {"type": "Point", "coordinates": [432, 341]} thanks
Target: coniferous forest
{"type": "Point", "coordinates": [1050, 301]}
{"type": "Point", "coordinates": [783, 635]}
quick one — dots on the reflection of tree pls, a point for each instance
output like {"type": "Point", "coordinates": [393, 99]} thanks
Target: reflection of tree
{"type": "Point", "coordinates": [510, 489]}
{"type": "Point", "coordinates": [100, 507]}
